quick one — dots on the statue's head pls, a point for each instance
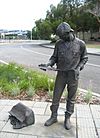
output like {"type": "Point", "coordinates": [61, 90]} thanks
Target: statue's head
{"type": "Point", "coordinates": [64, 31]}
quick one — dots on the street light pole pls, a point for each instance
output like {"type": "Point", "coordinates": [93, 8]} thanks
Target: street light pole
{"type": "Point", "coordinates": [31, 35]}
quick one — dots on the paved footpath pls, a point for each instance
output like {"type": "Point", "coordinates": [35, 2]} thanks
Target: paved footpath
{"type": "Point", "coordinates": [85, 121]}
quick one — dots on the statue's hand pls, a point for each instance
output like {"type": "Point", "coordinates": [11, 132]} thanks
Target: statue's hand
{"type": "Point", "coordinates": [76, 71]}
{"type": "Point", "coordinates": [43, 65]}
{"type": "Point", "coordinates": [81, 67]}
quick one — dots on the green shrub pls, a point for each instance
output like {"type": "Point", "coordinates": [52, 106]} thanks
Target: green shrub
{"type": "Point", "coordinates": [50, 87]}
{"type": "Point", "coordinates": [31, 91]}
{"type": "Point", "coordinates": [11, 72]}
{"type": "Point", "coordinates": [15, 91]}
{"type": "Point", "coordinates": [14, 78]}
{"type": "Point", "coordinates": [88, 96]}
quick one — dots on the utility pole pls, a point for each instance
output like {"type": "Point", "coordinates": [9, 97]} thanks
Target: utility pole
{"type": "Point", "coordinates": [31, 34]}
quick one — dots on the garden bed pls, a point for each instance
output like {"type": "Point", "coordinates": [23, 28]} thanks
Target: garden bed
{"type": "Point", "coordinates": [17, 82]}
{"type": "Point", "coordinates": [44, 97]}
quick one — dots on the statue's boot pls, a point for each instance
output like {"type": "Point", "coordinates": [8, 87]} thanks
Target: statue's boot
{"type": "Point", "coordinates": [53, 118]}
{"type": "Point", "coordinates": [67, 123]}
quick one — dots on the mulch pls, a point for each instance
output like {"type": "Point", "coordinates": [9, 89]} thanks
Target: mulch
{"type": "Point", "coordinates": [43, 96]}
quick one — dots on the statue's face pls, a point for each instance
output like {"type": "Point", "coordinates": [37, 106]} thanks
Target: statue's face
{"type": "Point", "coordinates": [66, 36]}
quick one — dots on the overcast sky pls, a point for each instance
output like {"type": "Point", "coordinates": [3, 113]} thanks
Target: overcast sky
{"type": "Point", "coordinates": [21, 14]}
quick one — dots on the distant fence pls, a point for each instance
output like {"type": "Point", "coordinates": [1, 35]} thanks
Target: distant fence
{"type": "Point", "coordinates": [87, 36]}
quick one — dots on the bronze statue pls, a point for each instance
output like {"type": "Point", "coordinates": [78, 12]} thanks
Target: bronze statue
{"type": "Point", "coordinates": [21, 116]}
{"type": "Point", "coordinates": [70, 56]}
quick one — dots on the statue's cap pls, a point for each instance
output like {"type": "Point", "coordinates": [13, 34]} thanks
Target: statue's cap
{"type": "Point", "coordinates": [63, 28]}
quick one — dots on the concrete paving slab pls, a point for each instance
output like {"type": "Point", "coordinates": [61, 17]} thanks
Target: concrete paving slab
{"type": "Point", "coordinates": [38, 129]}
{"type": "Point", "coordinates": [61, 110]}
{"type": "Point", "coordinates": [4, 116]}
{"type": "Point", "coordinates": [9, 129]}
{"type": "Point", "coordinates": [13, 102]}
{"type": "Point", "coordinates": [84, 128]}
{"type": "Point", "coordinates": [2, 124]}
{"type": "Point", "coordinates": [74, 114]}
{"type": "Point", "coordinates": [94, 106]}
{"type": "Point", "coordinates": [40, 105]}
{"type": "Point", "coordinates": [86, 133]}
{"type": "Point", "coordinates": [4, 102]}
{"type": "Point", "coordinates": [1, 107]}
{"type": "Point", "coordinates": [26, 136]}
{"type": "Point", "coordinates": [85, 122]}
{"type": "Point", "coordinates": [95, 111]}
{"type": "Point", "coordinates": [84, 114]}
{"type": "Point", "coordinates": [97, 123]}
{"type": "Point", "coordinates": [38, 111]}
{"type": "Point", "coordinates": [50, 137]}
{"type": "Point", "coordinates": [28, 103]}
{"type": "Point", "coordinates": [8, 135]}
{"type": "Point", "coordinates": [6, 109]}
{"type": "Point", "coordinates": [84, 107]}
{"type": "Point", "coordinates": [47, 110]}
{"type": "Point", "coordinates": [98, 131]}
{"type": "Point", "coordinates": [62, 105]}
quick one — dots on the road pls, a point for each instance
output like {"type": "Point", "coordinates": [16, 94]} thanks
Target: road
{"type": "Point", "coordinates": [31, 55]}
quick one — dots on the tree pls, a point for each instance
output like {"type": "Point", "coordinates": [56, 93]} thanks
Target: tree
{"type": "Point", "coordinates": [43, 28]}
{"type": "Point", "coordinates": [29, 34]}
{"type": "Point", "coordinates": [93, 7]}
{"type": "Point", "coordinates": [34, 33]}
{"type": "Point", "coordinates": [81, 15]}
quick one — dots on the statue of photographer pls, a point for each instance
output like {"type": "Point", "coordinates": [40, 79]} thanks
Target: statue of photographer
{"type": "Point", "coordinates": [70, 56]}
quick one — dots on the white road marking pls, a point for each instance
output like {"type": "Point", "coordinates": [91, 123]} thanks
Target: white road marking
{"type": "Point", "coordinates": [35, 52]}
{"type": "Point", "coordinates": [93, 65]}
{"type": "Point", "coordinates": [4, 62]}
{"type": "Point", "coordinates": [49, 56]}
{"type": "Point", "coordinates": [44, 55]}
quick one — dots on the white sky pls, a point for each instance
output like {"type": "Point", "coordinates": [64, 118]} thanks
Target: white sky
{"type": "Point", "coordinates": [21, 14]}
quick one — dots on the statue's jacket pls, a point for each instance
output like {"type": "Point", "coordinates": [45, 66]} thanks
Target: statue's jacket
{"type": "Point", "coordinates": [69, 55]}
